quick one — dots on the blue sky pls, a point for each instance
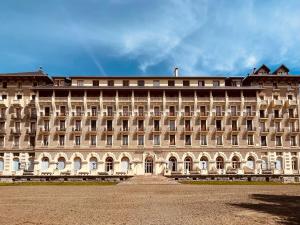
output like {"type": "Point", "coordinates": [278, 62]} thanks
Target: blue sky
{"type": "Point", "coordinates": [142, 37]}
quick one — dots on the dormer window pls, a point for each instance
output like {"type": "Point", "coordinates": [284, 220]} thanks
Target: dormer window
{"type": "Point", "coordinates": [216, 83]}
{"type": "Point", "coordinates": [171, 83]}
{"type": "Point", "coordinates": [110, 83]}
{"type": "Point", "coordinates": [141, 83]}
{"type": "Point", "coordinates": [186, 83]}
{"type": "Point", "coordinates": [95, 82]}
{"type": "Point", "coordinates": [80, 83]}
{"type": "Point", "coordinates": [125, 83]}
{"type": "Point", "coordinates": [201, 83]}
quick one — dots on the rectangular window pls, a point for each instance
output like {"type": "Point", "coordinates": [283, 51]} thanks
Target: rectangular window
{"type": "Point", "coordinates": [32, 141]}
{"type": "Point", "coordinates": [234, 140]}
{"type": "Point", "coordinates": [77, 140]}
{"type": "Point", "coordinates": [19, 97]}
{"type": "Point", "coordinates": [293, 141]}
{"type": "Point", "coordinates": [250, 140]}
{"type": "Point", "coordinates": [94, 111]}
{"type": "Point", "coordinates": [278, 141]}
{"type": "Point", "coordinates": [4, 84]}
{"type": "Point", "coordinates": [93, 125]}
{"type": "Point", "coordinates": [1, 141]}
{"type": "Point", "coordinates": [125, 139]}
{"type": "Point", "coordinates": [45, 140]}
{"type": "Point", "coordinates": [109, 125]}
{"type": "Point", "coordinates": [188, 140]}
{"type": "Point", "coordinates": [62, 125]}
{"type": "Point", "coordinates": [203, 140]}
{"type": "Point", "coordinates": [234, 125]}
{"type": "Point", "coordinates": [16, 141]}
{"type": "Point", "coordinates": [156, 139]}
{"type": "Point", "coordinates": [263, 141]}
{"type": "Point", "coordinates": [141, 140]}
{"type": "Point", "coordinates": [219, 140]}
{"type": "Point", "coordinates": [156, 125]}
{"type": "Point", "coordinates": [109, 140]}
{"type": "Point", "coordinates": [78, 125]}
{"type": "Point", "coordinates": [172, 140]}
{"type": "Point", "coordinates": [79, 82]}
{"type": "Point", "coordinates": [93, 140]}
{"type": "Point", "coordinates": [172, 125]}
{"type": "Point", "coordinates": [140, 125]}
{"type": "Point", "coordinates": [61, 140]}
{"type": "Point", "coordinates": [46, 125]}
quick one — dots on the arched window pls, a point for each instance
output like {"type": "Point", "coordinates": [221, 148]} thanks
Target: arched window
{"type": "Point", "coordinates": [172, 164]}
{"type": "Point", "coordinates": [61, 163]}
{"type": "Point", "coordinates": [77, 163]}
{"type": "Point", "coordinates": [109, 164]}
{"type": "Point", "coordinates": [220, 162]}
{"type": "Point", "coordinates": [93, 163]}
{"type": "Point", "coordinates": [16, 164]}
{"type": "Point", "coordinates": [124, 165]}
{"type": "Point", "coordinates": [188, 164]}
{"type": "Point", "coordinates": [250, 162]}
{"type": "Point", "coordinates": [278, 163]}
{"type": "Point", "coordinates": [45, 164]}
{"type": "Point", "coordinates": [294, 163]}
{"type": "Point", "coordinates": [204, 163]}
{"type": "Point", "coordinates": [1, 164]}
{"type": "Point", "coordinates": [235, 162]}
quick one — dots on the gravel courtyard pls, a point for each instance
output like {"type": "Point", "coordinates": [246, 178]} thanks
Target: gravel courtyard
{"type": "Point", "coordinates": [150, 204]}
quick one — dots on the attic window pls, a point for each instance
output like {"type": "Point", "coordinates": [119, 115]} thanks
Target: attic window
{"type": "Point", "coordinates": [110, 83]}
{"type": "Point", "coordinates": [201, 83]}
{"type": "Point", "coordinates": [141, 83]}
{"type": "Point", "coordinates": [186, 83]}
{"type": "Point", "coordinates": [171, 83]}
{"type": "Point", "coordinates": [95, 82]}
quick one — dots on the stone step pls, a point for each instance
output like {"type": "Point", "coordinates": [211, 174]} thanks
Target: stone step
{"type": "Point", "coordinates": [149, 180]}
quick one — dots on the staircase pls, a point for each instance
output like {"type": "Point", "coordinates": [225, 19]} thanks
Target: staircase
{"type": "Point", "coordinates": [149, 180]}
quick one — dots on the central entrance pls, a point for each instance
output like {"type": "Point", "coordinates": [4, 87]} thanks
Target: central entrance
{"type": "Point", "coordinates": [149, 165]}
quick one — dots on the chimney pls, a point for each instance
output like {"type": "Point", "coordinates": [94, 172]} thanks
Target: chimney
{"type": "Point", "coordinates": [176, 72]}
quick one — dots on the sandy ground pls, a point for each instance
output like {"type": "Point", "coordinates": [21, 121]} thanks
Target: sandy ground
{"type": "Point", "coordinates": [149, 204]}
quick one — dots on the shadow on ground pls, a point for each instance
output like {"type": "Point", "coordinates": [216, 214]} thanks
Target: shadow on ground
{"type": "Point", "coordinates": [284, 206]}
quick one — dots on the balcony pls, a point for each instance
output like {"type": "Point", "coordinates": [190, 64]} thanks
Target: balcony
{"type": "Point", "coordinates": [76, 130]}
{"type": "Point", "coordinates": [187, 115]}
{"type": "Point", "coordinates": [92, 115]}
{"type": "Point", "coordinates": [250, 99]}
{"type": "Point", "coordinates": [109, 130]}
{"type": "Point", "coordinates": [264, 131]}
{"type": "Point", "coordinates": [77, 115]}
{"type": "Point", "coordinates": [16, 116]}
{"type": "Point", "coordinates": [172, 130]}
{"type": "Point", "coordinates": [234, 130]}
{"type": "Point", "coordinates": [277, 117]}
{"type": "Point", "coordinates": [188, 130]}
{"type": "Point", "coordinates": [124, 130]}
{"type": "Point", "coordinates": [141, 99]}
{"type": "Point", "coordinates": [109, 99]}
{"type": "Point", "coordinates": [263, 117]}
{"type": "Point", "coordinates": [156, 130]}
{"type": "Point", "coordinates": [45, 99]}
{"type": "Point", "coordinates": [250, 130]}
{"type": "Point", "coordinates": [108, 115]}
{"type": "Point", "coordinates": [124, 115]}
{"type": "Point", "coordinates": [77, 99]}
{"type": "Point", "coordinates": [44, 130]}
{"type": "Point", "coordinates": [93, 99]}
{"type": "Point", "coordinates": [277, 103]}
{"type": "Point", "coordinates": [219, 115]}
{"type": "Point", "coordinates": [294, 130]}
{"type": "Point", "coordinates": [278, 131]}
{"type": "Point", "coordinates": [61, 99]}
{"type": "Point", "coordinates": [140, 130]}
{"type": "Point", "coordinates": [290, 102]}
{"type": "Point", "coordinates": [140, 115]}
{"type": "Point", "coordinates": [172, 99]}
{"type": "Point", "coordinates": [61, 115]}
{"type": "Point", "coordinates": [156, 99]}
{"type": "Point", "coordinates": [60, 130]}
{"type": "Point", "coordinates": [203, 129]}
{"type": "Point", "coordinates": [124, 99]}
{"type": "Point", "coordinates": [187, 99]}
{"type": "Point", "coordinates": [92, 130]}
{"type": "Point", "coordinates": [219, 129]}
{"type": "Point", "coordinates": [172, 115]}
{"type": "Point", "coordinates": [15, 131]}
{"type": "Point", "coordinates": [156, 115]}
{"type": "Point", "coordinates": [264, 103]}
{"type": "Point", "coordinates": [31, 132]}
{"type": "Point", "coordinates": [203, 115]}
{"type": "Point", "coordinates": [234, 115]}
{"type": "Point", "coordinates": [249, 115]}
{"type": "Point", "coordinates": [293, 117]}
{"type": "Point", "coordinates": [44, 115]}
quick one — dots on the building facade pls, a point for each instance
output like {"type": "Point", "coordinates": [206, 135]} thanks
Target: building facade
{"type": "Point", "coordinates": [84, 125]}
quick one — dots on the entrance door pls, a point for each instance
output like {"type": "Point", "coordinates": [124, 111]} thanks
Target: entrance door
{"type": "Point", "coordinates": [149, 165]}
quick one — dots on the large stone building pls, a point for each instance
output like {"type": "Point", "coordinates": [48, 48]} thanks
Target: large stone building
{"type": "Point", "coordinates": [84, 125]}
